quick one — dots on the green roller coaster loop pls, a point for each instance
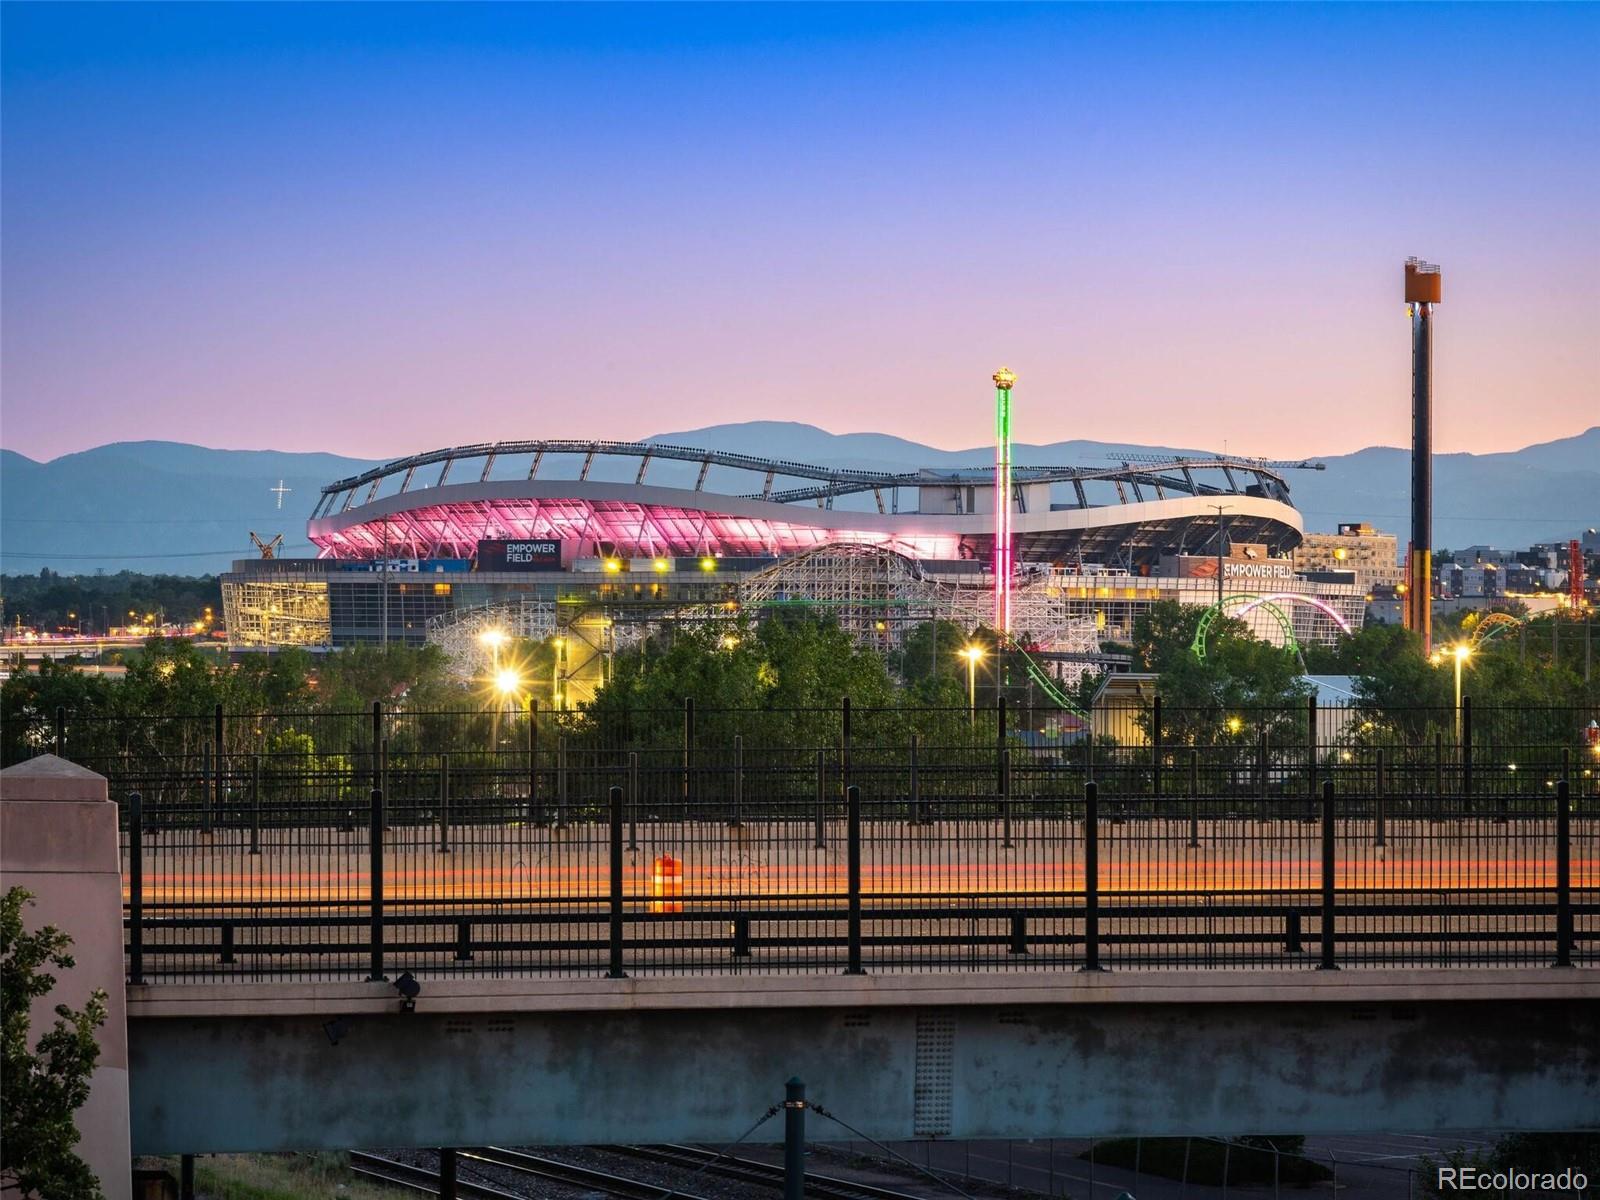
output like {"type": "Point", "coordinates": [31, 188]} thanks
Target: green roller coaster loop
{"type": "Point", "coordinates": [1048, 686]}
{"type": "Point", "coordinates": [1492, 626]}
{"type": "Point", "coordinates": [1290, 645]}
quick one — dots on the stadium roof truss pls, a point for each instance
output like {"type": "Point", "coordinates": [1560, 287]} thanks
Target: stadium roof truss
{"type": "Point", "coordinates": [1160, 504]}
{"type": "Point", "coordinates": [1132, 474]}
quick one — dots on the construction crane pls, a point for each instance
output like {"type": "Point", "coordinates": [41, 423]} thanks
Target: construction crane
{"type": "Point", "coordinates": [269, 549]}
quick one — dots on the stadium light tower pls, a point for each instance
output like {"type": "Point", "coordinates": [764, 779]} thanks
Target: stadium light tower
{"type": "Point", "coordinates": [1424, 289]}
{"type": "Point", "coordinates": [1003, 381]}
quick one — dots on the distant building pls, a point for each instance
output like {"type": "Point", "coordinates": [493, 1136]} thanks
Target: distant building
{"type": "Point", "coordinates": [1373, 556]}
{"type": "Point", "coordinates": [1481, 580]}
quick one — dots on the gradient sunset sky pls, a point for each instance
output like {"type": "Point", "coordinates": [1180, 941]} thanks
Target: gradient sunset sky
{"type": "Point", "coordinates": [376, 230]}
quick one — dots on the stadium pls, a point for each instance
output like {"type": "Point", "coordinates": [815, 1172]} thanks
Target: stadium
{"type": "Point", "coordinates": [597, 544]}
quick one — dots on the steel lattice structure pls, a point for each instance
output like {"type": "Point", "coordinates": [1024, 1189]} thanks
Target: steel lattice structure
{"type": "Point", "coordinates": [461, 634]}
{"type": "Point", "coordinates": [875, 594]}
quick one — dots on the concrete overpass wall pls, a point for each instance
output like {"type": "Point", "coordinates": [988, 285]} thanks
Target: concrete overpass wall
{"type": "Point", "coordinates": [245, 1067]}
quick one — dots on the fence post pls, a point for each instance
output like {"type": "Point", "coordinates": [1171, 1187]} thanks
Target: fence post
{"type": "Point", "coordinates": [999, 747]}
{"type": "Point", "coordinates": [561, 781]}
{"type": "Point", "coordinates": [206, 814]}
{"type": "Point", "coordinates": [738, 782]}
{"type": "Point", "coordinates": [444, 803]}
{"type": "Point", "coordinates": [217, 763]}
{"type": "Point", "coordinates": [1379, 832]}
{"type": "Point", "coordinates": [853, 832]}
{"type": "Point", "coordinates": [1328, 963]}
{"type": "Point", "coordinates": [135, 888]}
{"type": "Point", "coordinates": [1466, 749]}
{"type": "Point", "coordinates": [1261, 763]}
{"type": "Point", "coordinates": [822, 791]}
{"type": "Point", "coordinates": [255, 804]}
{"type": "Point", "coordinates": [915, 783]}
{"type": "Point", "coordinates": [375, 884]}
{"type": "Point", "coordinates": [1311, 757]}
{"type": "Point", "coordinates": [688, 751]}
{"type": "Point", "coordinates": [615, 938]}
{"type": "Point", "coordinates": [1438, 773]}
{"type": "Point", "coordinates": [1194, 799]}
{"type": "Point", "coordinates": [1155, 749]}
{"type": "Point", "coordinates": [1091, 876]}
{"type": "Point", "coordinates": [633, 799]}
{"type": "Point", "coordinates": [1563, 875]}
{"type": "Point", "coordinates": [61, 731]}
{"type": "Point", "coordinates": [1005, 793]}
{"type": "Point", "coordinates": [377, 744]}
{"type": "Point", "coordinates": [533, 761]}
{"type": "Point", "coordinates": [844, 742]}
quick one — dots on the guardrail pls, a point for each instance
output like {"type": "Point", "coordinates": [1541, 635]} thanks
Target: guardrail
{"type": "Point", "coordinates": [696, 839]}
{"type": "Point", "coordinates": [862, 882]}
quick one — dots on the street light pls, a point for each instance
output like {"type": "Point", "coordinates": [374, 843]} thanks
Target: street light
{"type": "Point", "coordinates": [972, 654]}
{"type": "Point", "coordinates": [507, 681]}
{"type": "Point", "coordinates": [1459, 653]}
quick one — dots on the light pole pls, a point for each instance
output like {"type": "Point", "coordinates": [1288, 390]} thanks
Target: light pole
{"type": "Point", "coordinates": [508, 688]}
{"type": "Point", "coordinates": [972, 654]}
{"type": "Point", "coordinates": [1460, 652]}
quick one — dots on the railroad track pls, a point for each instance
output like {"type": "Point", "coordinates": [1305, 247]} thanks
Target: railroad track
{"type": "Point", "coordinates": [532, 1166]}
{"type": "Point", "coordinates": [749, 1170]}
{"type": "Point", "coordinates": [419, 1179]}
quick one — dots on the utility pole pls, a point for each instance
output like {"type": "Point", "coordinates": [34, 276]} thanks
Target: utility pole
{"type": "Point", "coordinates": [1222, 538]}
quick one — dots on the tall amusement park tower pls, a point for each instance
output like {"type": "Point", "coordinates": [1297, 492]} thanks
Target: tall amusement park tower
{"type": "Point", "coordinates": [1003, 381]}
{"type": "Point", "coordinates": [1424, 289]}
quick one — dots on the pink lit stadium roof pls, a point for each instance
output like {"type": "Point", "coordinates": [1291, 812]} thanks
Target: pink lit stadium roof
{"type": "Point", "coordinates": [596, 494]}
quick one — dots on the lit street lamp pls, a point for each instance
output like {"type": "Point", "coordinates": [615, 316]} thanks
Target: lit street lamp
{"type": "Point", "coordinates": [1460, 652]}
{"type": "Point", "coordinates": [972, 654]}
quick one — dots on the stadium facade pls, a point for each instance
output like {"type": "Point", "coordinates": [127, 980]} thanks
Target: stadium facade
{"type": "Point", "coordinates": [551, 536]}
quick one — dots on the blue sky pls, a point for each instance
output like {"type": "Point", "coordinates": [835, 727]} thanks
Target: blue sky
{"type": "Point", "coordinates": [374, 229]}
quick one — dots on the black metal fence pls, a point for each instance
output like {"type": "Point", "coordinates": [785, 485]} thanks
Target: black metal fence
{"type": "Point", "coordinates": [356, 845]}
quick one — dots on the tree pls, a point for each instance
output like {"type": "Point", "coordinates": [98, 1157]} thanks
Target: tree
{"type": "Point", "coordinates": [1239, 673]}
{"type": "Point", "coordinates": [46, 1084]}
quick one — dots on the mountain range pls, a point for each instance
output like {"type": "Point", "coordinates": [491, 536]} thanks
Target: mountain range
{"type": "Point", "coordinates": [183, 509]}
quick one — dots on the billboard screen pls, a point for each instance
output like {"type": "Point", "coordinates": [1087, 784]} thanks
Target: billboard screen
{"type": "Point", "coordinates": [525, 554]}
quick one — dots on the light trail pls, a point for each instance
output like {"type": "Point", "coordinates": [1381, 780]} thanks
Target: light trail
{"type": "Point", "coordinates": [589, 883]}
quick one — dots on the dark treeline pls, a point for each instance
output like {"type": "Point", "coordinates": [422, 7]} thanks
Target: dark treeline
{"type": "Point", "coordinates": [781, 680]}
{"type": "Point", "coordinates": [94, 603]}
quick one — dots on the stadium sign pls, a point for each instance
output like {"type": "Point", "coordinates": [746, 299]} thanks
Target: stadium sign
{"type": "Point", "coordinates": [1196, 567]}
{"type": "Point", "coordinates": [1271, 569]}
{"type": "Point", "coordinates": [526, 554]}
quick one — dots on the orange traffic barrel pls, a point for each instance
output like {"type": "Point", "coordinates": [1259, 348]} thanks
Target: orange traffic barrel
{"type": "Point", "coordinates": [666, 884]}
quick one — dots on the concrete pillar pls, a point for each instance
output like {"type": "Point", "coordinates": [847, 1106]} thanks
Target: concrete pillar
{"type": "Point", "coordinates": [58, 839]}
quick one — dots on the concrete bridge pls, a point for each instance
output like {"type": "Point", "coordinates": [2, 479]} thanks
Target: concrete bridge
{"type": "Point", "coordinates": [570, 1055]}
{"type": "Point", "coordinates": [277, 1066]}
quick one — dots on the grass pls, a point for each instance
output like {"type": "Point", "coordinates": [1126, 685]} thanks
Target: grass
{"type": "Point", "coordinates": [1246, 1163]}
{"type": "Point", "coordinates": [278, 1177]}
